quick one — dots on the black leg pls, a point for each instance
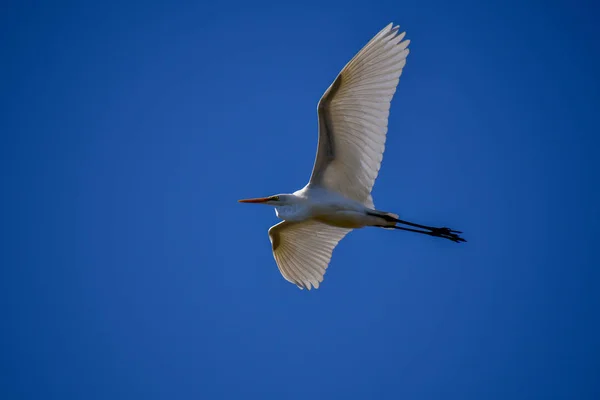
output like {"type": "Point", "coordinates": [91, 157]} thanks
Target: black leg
{"type": "Point", "coordinates": [431, 228]}
{"type": "Point", "coordinates": [437, 233]}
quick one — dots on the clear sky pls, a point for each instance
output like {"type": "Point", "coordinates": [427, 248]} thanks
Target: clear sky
{"type": "Point", "coordinates": [128, 269]}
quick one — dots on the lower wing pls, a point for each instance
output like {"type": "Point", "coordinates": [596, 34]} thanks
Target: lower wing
{"type": "Point", "coordinates": [303, 250]}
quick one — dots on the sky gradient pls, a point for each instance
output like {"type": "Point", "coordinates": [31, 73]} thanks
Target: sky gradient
{"type": "Point", "coordinates": [128, 269]}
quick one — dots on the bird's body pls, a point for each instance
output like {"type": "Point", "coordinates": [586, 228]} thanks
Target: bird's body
{"type": "Point", "coordinates": [328, 207]}
{"type": "Point", "coordinates": [353, 119]}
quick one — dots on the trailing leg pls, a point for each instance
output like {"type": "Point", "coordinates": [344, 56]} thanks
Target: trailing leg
{"type": "Point", "coordinates": [444, 232]}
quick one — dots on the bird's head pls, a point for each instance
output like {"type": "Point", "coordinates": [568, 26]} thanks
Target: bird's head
{"type": "Point", "coordinates": [276, 200]}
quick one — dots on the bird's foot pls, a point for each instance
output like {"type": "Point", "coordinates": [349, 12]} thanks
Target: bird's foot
{"type": "Point", "coordinates": [447, 233]}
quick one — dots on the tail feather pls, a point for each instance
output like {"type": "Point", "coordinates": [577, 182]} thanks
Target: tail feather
{"type": "Point", "coordinates": [387, 216]}
{"type": "Point", "coordinates": [392, 215]}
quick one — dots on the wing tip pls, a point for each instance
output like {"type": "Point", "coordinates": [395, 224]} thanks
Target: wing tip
{"type": "Point", "coordinates": [308, 285]}
{"type": "Point", "coordinates": [392, 32]}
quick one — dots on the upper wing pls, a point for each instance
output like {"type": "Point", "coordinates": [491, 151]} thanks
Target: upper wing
{"type": "Point", "coordinates": [353, 117]}
{"type": "Point", "coordinates": [303, 250]}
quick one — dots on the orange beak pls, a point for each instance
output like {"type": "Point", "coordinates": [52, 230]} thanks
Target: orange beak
{"type": "Point", "coordinates": [257, 200]}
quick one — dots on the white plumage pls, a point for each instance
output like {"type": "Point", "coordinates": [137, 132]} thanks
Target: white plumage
{"type": "Point", "coordinates": [302, 250]}
{"type": "Point", "coordinates": [353, 120]}
{"type": "Point", "coordinates": [353, 117]}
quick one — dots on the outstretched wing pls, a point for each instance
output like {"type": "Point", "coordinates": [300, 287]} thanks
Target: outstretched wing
{"type": "Point", "coordinates": [353, 117]}
{"type": "Point", "coordinates": [302, 250]}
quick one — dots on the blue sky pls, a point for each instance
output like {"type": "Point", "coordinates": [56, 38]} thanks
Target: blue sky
{"type": "Point", "coordinates": [128, 269]}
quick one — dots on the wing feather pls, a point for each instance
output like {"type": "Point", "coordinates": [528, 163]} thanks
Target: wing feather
{"type": "Point", "coordinates": [303, 250]}
{"type": "Point", "coordinates": [353, 117]}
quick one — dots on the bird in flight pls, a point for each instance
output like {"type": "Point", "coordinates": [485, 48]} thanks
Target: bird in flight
{"type": "Point", "coordinates": [353, 119]}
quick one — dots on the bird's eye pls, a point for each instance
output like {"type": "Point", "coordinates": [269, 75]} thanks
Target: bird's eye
{"type": "Point", "coordinates": [275, 198]}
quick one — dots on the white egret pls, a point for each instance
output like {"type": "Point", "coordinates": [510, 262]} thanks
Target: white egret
{"type": "Point", "coordinates": [353, 119]}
